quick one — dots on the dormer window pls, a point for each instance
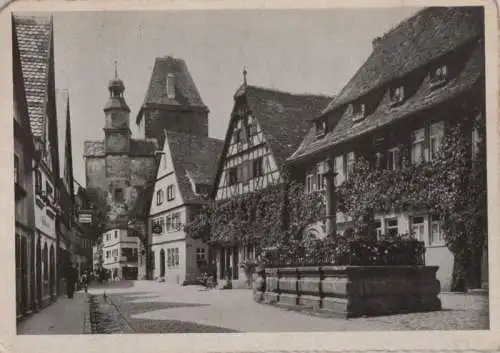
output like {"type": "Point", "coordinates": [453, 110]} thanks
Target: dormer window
{"type": "Point", "coordinates": [170, 86]}
{"type": "Point", "coordinates": [397, 95]}
{"type": "Point", "coordinates": [358, 111]}
{"type": "Point", "coordinates": [439, 75]}
{"type": "Point", "coordinates": [321, 127]}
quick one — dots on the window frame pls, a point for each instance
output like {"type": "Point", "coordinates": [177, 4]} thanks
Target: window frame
{"type": "Point", "coordinates": [436, 135]}
{"type": "Point", "coordinates": [389, 227]}
{"type": "Point", "coordinates": [170, 192]}
{"type": "Point", "coordinates": [437, 79]}
{"type": "Point", "coordinates": [17, 171]}
{"type": "Point", "coordinates": [258, 167]}
{"type": "Point", "coordinates": [118, 192]}
{"type": "Point", "coordinates": [321, 126]}
{"type": "Point", "coordinates": [435, 220]}
{"type": "Point", "coordinates": [160, 196]}
{"type": "Point", "coordinates": [418, 142]}
{"type": "Point", "coordinates": [397, 95]}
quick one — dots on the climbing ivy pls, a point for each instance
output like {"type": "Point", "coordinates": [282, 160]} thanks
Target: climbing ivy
{"type": "Point", "coordinates": [451, 186]}
{"type": "Point", "coordinates": [264, 218]}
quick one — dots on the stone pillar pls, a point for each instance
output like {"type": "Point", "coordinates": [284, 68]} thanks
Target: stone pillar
{"type": "Point", "coordinates": [331, 199]}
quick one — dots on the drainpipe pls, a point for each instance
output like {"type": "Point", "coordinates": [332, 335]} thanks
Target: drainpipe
{"type": "Point", "coordinates": [331, 199]}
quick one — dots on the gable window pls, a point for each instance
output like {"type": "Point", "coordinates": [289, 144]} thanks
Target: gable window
{"type": "Point", "coordinates": [392, 158]}
{"type": "Point", "coordinates": [358, 111]}
{"type": "Point", "coordinates": [16, 169]}
{"type": "Point", "coordinates": [321, 127]}
{"type": "Point", "coordinates": [170, 192]}
{"type": "Point", "coordinates": [439, 75]}
{"type": "Point", "coordinates": [397, 95]}
{"type": "Point", "coordinates": [160, 196]}
{"type": "Point", "coordinates": [391, 226]}
{"type": "Point", "coordinates": [436, 136]}
{"type": "Point", "coordinates": [418, 146]}
{"type": "Point", "coordinates": [258, 167]}
{"type": "Point", "coordinates": [119, 195]}
{"type": "Point", "coordinates": [233, 175]}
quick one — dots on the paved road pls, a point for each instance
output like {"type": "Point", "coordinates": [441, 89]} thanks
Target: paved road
{"type": "Point", "coordinates": [159, 308]}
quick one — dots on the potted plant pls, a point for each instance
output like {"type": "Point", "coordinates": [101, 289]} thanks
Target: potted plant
{"type": "Point", "coordinates": [249, 266]}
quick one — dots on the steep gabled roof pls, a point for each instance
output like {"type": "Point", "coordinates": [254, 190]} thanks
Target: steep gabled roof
{"type": "Point", "coordinates": [429, 34]}
{"type": "Point", "coordinates": [419, 45]}
{"type": "Point", "coordinates": [285, 118]}
{"type": "Point", "coordinates": [19, 93]}
{"type": "Point", "coordinates": [186, 93]}
{"type": "Point", "coordinates": [34, 40]}
{"type": "Point", "coordinates": [195, 159]}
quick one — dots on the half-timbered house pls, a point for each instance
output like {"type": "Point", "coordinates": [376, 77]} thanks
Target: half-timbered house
{"type": "Point", "coordinates": [427, 70]}
{"type": "Point", "coordinates": [265, 128]}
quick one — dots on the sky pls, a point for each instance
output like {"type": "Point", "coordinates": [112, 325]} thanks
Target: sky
{"type": "Point", "coordinates": [299, 51]}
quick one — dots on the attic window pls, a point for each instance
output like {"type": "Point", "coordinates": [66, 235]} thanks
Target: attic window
{"type": "Point", "coordinates": [439, 75]}
{"type": "Point", "coordinates": [397, 95]}
{"type": "Point", "coordinates": [170, 86]}
{"type": "Point", "coordinates": [358, 111]}
{"type": "Point", "coordinates": [321, 127]}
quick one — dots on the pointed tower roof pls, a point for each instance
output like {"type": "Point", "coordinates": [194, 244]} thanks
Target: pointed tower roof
{"type": "Point", "coordinates": [116, 89]}
{"type": "Point", "coordinates": [68, 155]}
{"type": "Point", "coordinates": [171, 84]}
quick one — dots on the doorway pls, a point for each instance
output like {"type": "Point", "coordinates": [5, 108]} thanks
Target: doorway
{"type": "Point", "coordinates": [162, 263]}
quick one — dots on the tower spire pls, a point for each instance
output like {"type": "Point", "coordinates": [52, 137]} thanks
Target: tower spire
{"type": "Point", "coordinates": [68, 154]}
{"type": "Point", "coordinates": [116, 69]}
{"type": "Point", "coordinates": [244, 76]}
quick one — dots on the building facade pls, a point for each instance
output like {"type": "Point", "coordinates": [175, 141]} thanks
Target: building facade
{"type": "Point", "coordinates": [24, 156]}
{"type": "Point", "coordinates": [424, 73]}
{"type": "Point", "coordinates": [117, 169]}
{"type": "Point", "coordinates": [266, 126]}
{"type": "Point", "coordinates": [34, 37]}
{"type": "Point", "coordinates": [183, 184]}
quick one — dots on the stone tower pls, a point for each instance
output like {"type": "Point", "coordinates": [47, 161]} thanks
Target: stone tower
{"type": "Point", "coordinates": [118, 167]}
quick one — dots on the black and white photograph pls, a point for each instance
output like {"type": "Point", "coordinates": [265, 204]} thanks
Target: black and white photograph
{"type": "Point", "coordinates": [250, 171]}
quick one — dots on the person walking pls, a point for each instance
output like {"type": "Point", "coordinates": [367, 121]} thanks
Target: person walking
{"type": "Point", "coordinates": [71, 278]}
{"type": "Point", "coordinates": [85, 281]}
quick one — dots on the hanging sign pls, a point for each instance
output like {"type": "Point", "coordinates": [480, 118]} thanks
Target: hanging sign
{"type": "Point", "coordinates": [157, 229]}
{"type": "Point", "coordinates": [85, 217]}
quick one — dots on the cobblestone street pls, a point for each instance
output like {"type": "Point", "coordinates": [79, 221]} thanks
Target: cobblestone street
{"type": "Point", "coordinates": [149, 307]}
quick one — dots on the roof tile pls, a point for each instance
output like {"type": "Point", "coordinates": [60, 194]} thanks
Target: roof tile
{"type": "Point", "coordinates": [194, 157]}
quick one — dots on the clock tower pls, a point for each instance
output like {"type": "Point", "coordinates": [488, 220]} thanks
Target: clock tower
{"type": "Point", "coordinates": [117, 125]}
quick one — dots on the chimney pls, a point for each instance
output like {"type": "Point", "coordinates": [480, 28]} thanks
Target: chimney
{"type": "Point", "coordinates": [170, 86]}
{"type": "Point", "coordinates": [376, 42]}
